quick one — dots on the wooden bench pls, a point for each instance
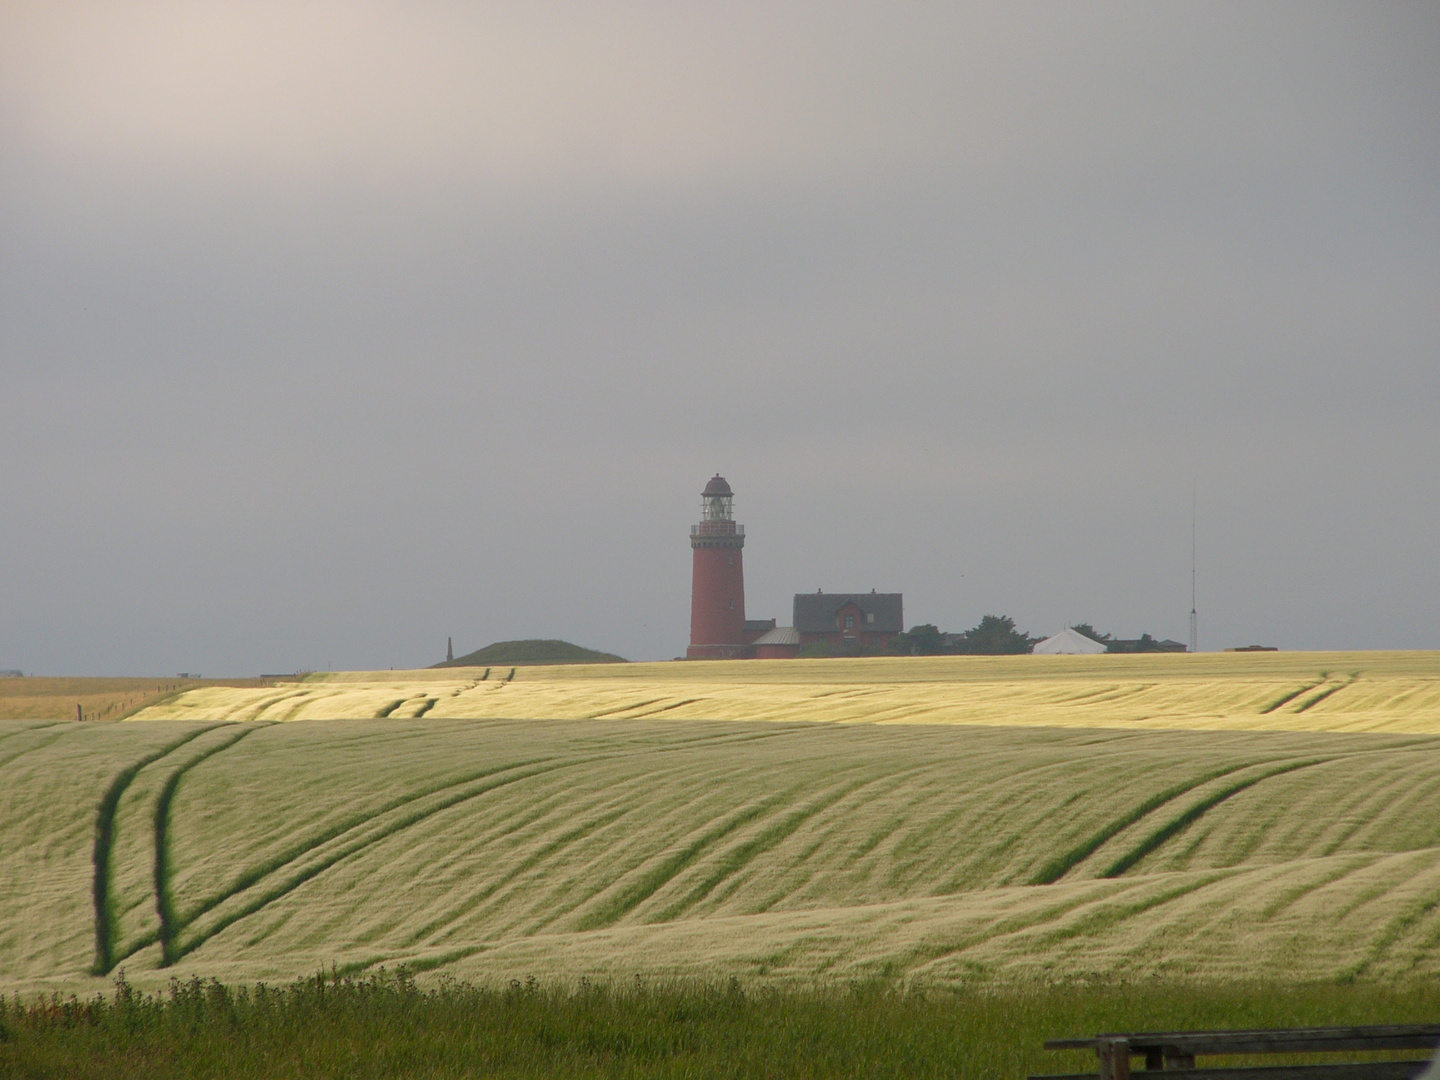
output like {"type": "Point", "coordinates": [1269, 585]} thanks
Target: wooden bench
{"type": "Point", "coordinates": [1177, 1050]}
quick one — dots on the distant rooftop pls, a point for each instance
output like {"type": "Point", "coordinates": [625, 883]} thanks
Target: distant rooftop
{"type": "Point", "coordinates": [815, 613]}
{"type": "Point", "coordinates": [781, 635]}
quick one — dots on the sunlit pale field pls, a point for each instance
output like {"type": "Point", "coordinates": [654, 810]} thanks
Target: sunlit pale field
{"type": "Point", "coordinates": [1395, 691]}
{"type": "Point", "coordinates": [1103, 819]}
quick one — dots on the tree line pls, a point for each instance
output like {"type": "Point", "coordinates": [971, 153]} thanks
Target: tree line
{"type": "Point", "coordinates": [996, 635]}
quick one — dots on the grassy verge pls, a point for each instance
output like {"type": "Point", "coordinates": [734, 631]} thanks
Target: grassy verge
{"type": "Point", "coordinates": [388, 1027]}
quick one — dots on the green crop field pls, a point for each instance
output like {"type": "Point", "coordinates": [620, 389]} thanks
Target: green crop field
{"type": "Point", "coordinates": [1101, 820]}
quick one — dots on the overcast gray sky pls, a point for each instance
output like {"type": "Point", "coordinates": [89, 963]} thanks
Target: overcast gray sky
{"type": "Point", "coordinates": [330, 330]}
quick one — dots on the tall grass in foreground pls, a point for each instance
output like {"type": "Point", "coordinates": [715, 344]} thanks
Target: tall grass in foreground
{"type": "Point", "coordinates": [387, 1026]}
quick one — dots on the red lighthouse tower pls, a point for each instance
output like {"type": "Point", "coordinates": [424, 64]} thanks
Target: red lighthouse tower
{"type": "Point", "coordinates": [717, 589]}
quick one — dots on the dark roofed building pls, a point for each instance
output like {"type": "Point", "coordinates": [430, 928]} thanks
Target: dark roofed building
{"type": "Point", "coordinates": [755, 628]}
{"type": "Point", "coordinates": [849, 622]}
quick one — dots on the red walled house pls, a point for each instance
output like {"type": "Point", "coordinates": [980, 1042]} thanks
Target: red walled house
{"type": "Point", "coordinates": [849, 622]}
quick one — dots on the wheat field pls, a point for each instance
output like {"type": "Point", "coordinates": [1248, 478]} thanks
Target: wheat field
{"type": "Point", "coordinates": [1248, 817]}
{"type": "Point", "coordinates": [1395, 692]}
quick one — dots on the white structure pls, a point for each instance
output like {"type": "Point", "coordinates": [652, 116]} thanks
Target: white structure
{"type": "Point", "coordinates": [1068, 643]}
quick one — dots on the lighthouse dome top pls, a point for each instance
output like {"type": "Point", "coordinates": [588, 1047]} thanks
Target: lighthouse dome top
{"type": "Point", "coordinates": [717, 486]}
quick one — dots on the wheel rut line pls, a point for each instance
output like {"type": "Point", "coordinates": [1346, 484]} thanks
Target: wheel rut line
{"type": "Point", "coordinates": [878, 836]}
{"type": "Point", "coordinates": [1057, 868]}
{"type": "Point", "coordinates": [1098, 920]}
{"type": "Point", "coordinates": [435, 926]}
{"type": "Point", "coordinates": [601, 815]}
{"type": "Point", "coordinates": [1014, 924]}
{"type": "Point", "coordinates": [689, 808]}
{"type": "Point", "coordinates": [652, 881]}
{"type": "Point", "coordinates": [976, 796]}
{"type": "Point", "coordinates": [1285, 699]}
{"type": "Point", "coordinates": [1188, 817]}
{"type": "Point", "coordinates": [895, 780]}
{"type": "Point", "coordinates": [738, 857]}
{"type": "Point", "coordinates": [1109, 696]}
{"type": "Point", "coordinates": [41, 726]}
{"type": "Point", "coordinates": [610, 713]}
{"type": "Point", "coordinates": [1080, 853]}
{"type": "Point", "coordinates": [1295, 894]}
{"type": "Point", "coordinates": [1394, 930]}
{"type": "Point", "coordinates": [164, 902]}
{"type": "Point", "coordinates": [300, 877]}
{"type": "Point", "coordinates": [104, 839]}
{"type": "Point", "coordinates": [31, 749]}
{"type": "Point", "coordinates": [667, 708]}
{"type": "Point", "coordinates": [255, 709]}
{"type": "Point", "coordinates": [1311, 702]}
{"type": "Point", "coordinates": [338, 831]}
{"type": "Point", "coordinates": [1364, 818]}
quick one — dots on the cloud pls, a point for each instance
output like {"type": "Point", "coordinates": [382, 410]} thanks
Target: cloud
{"type": "Point", "coordinates": [506, 94]}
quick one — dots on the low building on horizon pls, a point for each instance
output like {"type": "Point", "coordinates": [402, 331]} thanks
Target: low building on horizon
{"type": "Point", "coordinates": [1069, 642]}
{"type": "Point", "coordinates": [849, 623]}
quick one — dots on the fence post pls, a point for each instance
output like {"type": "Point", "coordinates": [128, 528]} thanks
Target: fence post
{"type": "Point", "coordinates": [1114, 1058]}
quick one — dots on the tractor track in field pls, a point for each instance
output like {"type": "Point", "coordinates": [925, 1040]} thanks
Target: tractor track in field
{"type": "Point", "coordinates": [300, 877]}
{"type": "Point", "coordinates": [610, 713]}
{"type": "Point", "coordinates": [293, 854]}
{"type": "Point", "coordinates": [164, 902]}
{"type": "Point", "coordinates": [999, 786]}
{"type": "Point", "coordinates": [737, 858]}
{"type": "Point", "coordinates": [562, 904]}
{"type": "Point", "coordinates": [1316, 699]}
{"type": "Point", "coordinates": [631, 896]}
{"type": "Point", "coordinates": [297, 852]}
{"type": "Point", "coordinates": [929, 954]}
{"type": "Point", "coordinates": [1057, 868]}
{"type": "Point", "coordinates": [1285, 699]}
{"type": "Point", "coordinates": [1194, 813]}
{"type": "Point", "coordinates": [104, 838]}
{"type": "Point", "coordinates": [553, 847]}
{"type": "Point", "coordinates": [877, 837]}
{"type": "Point", "coordinates": [628, 897]}
{"type": "Point", "coordinates": [1088, 924]}
{"type": "Point", "coordinates": [1293, 895]}
{"type": "Point", "coordinates": [38, 726]}
{"type": "Point", "coordinates": [38, 746]}
{"type": "Point", "coordinates": [293, 881]}
{"type": "Point", "coordinates": [1415, 911]}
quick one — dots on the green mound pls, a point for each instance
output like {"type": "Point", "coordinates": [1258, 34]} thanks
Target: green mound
{"type": "Point", "coordinates": [532, 651]}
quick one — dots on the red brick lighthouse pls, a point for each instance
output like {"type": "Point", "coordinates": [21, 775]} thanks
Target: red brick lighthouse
{"type": "Point", "coordinates": [717, 588]}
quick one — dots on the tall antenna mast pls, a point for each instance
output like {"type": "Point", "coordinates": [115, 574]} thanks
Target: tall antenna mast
{"type": "Point", "coordinates": [1194, 628]}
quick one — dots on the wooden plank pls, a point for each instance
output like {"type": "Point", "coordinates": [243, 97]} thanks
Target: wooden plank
{"type": "Point", "coordinates": [1270, 1041]}
{"type": "Point", "coordinates": [1287, 1046]}
{"type": "Point", "coordinates": [1350, 1070]}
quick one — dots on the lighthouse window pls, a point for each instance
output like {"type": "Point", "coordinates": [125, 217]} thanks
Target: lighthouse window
{"type": "Point", "coordinates": [732, 605]}
{"type": "Point", "coordinates": [849, 622]}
